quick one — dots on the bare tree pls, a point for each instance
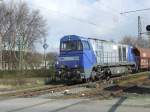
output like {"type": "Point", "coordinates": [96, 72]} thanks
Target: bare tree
{"type": "Point", "coordinates": [33, 60]}
{"type": "Point", "coordinates": [20, 28]}
{"type": "Point", "coordinates": [51, 57]}
{"type": "Point", "coordinates": [128, 40]}
{"type": "Point", "coordinates": [134, 41]}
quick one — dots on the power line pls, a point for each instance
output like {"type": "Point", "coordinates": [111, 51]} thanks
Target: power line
{"type": "Point", "coordinates": [115, 11]}
{"type": "Point", "coordinates": [74, 18]}
{"type": "Point", "coordinates": [135, 11]}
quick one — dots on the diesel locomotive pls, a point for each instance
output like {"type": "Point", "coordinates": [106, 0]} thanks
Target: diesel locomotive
{"type": "Point", "coordinates": [83, 58]}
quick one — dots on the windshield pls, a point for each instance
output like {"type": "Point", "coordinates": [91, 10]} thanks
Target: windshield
{"type": "Point", "coordinates": [71, 45]}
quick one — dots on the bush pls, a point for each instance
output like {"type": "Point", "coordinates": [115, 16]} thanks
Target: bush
{"type": "Point", "coordinates": [27, 73]}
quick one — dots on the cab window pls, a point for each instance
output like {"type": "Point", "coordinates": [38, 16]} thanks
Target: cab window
{"type": "Point", "coordinates": [86, 45]}
{"type": "Point", "coordinates": [79, 45]}
{"type": "Point", "coordinates": [71, 45]}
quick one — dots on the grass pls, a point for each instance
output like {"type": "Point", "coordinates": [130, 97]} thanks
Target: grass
{"type": "Point", "coordinates": [25, 73]}
{"type": "Point", "coordinates": [134, 78]}
{"type": "Point", "coordinates": [28, 73]}
{"type": "Point", "coordinates": [15, 84]}
{"type": "Point", "coordinates": [27, 78]}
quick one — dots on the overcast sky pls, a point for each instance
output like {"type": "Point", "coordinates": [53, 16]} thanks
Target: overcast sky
{"type": "Point", "coordinates": [90, 18]}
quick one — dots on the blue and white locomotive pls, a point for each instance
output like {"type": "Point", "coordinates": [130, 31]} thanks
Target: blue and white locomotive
{"type": "Point", "coordinates": [89, 58]}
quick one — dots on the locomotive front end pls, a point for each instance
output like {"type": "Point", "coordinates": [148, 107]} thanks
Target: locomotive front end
{"type": "Point", "coordinates": [69, 67]}
{"type": "Point", "coordinates": [69, 64]}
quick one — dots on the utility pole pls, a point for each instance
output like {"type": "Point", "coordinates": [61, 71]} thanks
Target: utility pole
{"type": "Point", "coordinates": [140, 32]}
{"type": "Point", "coordinates": [139, 28]}
{"type": "Point", "coordinates": [148, 33]}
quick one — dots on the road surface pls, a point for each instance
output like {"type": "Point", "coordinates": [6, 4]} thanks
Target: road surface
{"type": "Point", "coordinates": [123, 104]}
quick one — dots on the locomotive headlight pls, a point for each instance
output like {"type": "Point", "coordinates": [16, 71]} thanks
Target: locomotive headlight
{"type": "Point", "coordinates": [78, 72]}
{"type": "Point", "coordinates": [76, 66]}
{"type": "Point", "coordinates": [57, 62]}
{"type": "Point", "coordinates": [59, 72]}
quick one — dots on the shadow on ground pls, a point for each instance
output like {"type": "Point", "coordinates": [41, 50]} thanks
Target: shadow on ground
{"type": "Point", "coordinates": [117, 104]}
{"type": "Point", "coordinates": [133, 89]}
{"type": "Point", "coordinates": [114, 88]}
{"type": "Point", "coordinates": [137, 90]}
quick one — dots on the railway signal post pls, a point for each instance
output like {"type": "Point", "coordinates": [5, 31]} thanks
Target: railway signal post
{"type": "Point", "coordinates": [45, 46]}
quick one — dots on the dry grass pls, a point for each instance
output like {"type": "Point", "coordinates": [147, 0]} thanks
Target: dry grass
{"type": "Point", "coordinates": [136, 79]}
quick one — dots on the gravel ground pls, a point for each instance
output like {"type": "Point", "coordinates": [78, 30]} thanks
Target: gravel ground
{"type": "Point", "coordinates": [141, 88]}
{"type": "Point", "coordinates": [138, 86]}
{"type": "Point", "coordinates": [67, 92]}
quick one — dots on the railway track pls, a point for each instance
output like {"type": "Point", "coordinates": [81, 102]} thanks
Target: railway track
{"type": "Point", "coordinates": [122, 83]}
{"type": "Point", "coordinates": [59, 88]}
{"type": "Point", "coordinates": [30, 91]}
{"type": "Point", "coordinates": [33, 92]}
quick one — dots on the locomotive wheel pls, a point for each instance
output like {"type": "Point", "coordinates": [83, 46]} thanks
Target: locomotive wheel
{"type": "Point", "coordinates": [93, 76]}
{"type": "Point", "coordinates": [84, 80]}
{"type": "Point", "coordinates": [107, 74]}
{"type": "Point", "coordinates": [108, 78]}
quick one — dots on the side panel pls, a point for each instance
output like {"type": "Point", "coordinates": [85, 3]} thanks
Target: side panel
{"type": "Point", "coordinates": [98, 50]}
{"type": "Point", "coordinates": [109, 52]}
{"type": "Point", "coordinates": [89, 60]}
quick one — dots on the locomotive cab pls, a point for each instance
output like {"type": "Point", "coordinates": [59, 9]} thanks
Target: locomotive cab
{"type": "Point", "coordinates": [76, 58]}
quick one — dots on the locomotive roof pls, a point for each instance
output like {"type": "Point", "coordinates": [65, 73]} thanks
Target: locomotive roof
{"type": "Point", "coordinates": [72, 37]}
{"type": "Point", "coordinates": [76, 37]}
